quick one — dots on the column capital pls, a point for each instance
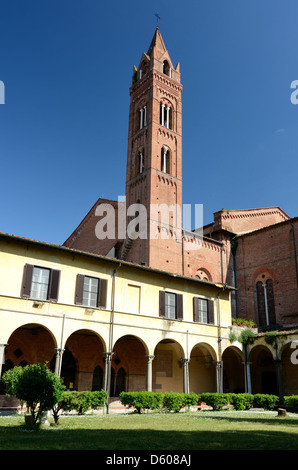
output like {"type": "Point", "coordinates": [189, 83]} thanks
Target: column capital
{"type": "Point", "coordinates": [149, 357]}
{"type": "Point", "coordinates": [108, 355]}
{"type": "Point", "coordinates": [59, 350]}
{"type": "Point", "coordinates": [184, 360]}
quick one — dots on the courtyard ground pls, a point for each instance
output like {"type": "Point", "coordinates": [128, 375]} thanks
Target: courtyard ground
{"type": "Point", "coordinates": [201, 430]}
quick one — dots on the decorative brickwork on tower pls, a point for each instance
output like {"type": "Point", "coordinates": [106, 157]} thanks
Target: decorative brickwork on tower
{"type": "Point", "coordinates": [154, 156]}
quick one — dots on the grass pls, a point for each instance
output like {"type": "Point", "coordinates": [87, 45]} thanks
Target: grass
{"type": "Point", "coordinates": [204, 430]}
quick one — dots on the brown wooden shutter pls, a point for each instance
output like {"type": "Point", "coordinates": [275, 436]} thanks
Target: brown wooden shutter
{"type": "Point", "coordinates": [162, 303]}
{"type": "Point", "coordinates": [102, 293]}
{"type": "Point", "coordinates": [210, 311]}
{"type": "Point", "coordinates": [179, 306]}
{"type": "Point", "coordinates": [195, 309]}
{"type": "Point", "coordinates": [79, 289]}
{"type": "Point", "coordinates": [54, 285]}
{"type": "Point", "coordinates": [27, 280]}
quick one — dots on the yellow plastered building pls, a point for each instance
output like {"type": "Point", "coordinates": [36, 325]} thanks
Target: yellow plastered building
{"type": "Point", "coordinates": [104, 323]}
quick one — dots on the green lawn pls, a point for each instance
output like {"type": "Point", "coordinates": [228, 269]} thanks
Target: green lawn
{"type": "Point", "coordinates": [204, 430]}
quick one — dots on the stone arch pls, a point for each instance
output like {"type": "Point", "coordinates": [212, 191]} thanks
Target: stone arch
{"type": "Point", "coordinates": [166, 69]}
{"type": "Point", "coordinates": [167, 370]}
{"type": "Point", "coordinates": [83, 352]}
{"type": "Point", "coordinates": [166, 113]}
{"type": "Point", "coordinates": [233, 370]}
{"type": "Point", "coordinates": [202, 368]}
{"type": "Point", "coordinates": [166, 159]}
{"type": "Point", "coordinates": [98, 378]}
{"type": "Point", "coordinates": [129, 365]}
{"type": "Point", "coordinates": [31, 342]}
{"type": "Point", "coordinates": [203, 274]}
{"type": "Point", "coordinates": [262, 370]}
{"type": "Point", "coordinates": [289, 367]}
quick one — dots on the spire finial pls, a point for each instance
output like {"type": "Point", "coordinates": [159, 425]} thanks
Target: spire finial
{"type": "Point", "coordinates": [158, 18]}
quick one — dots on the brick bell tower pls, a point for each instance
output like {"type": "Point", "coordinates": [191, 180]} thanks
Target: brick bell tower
{"type": "Point", "coordinates": [154, 159]}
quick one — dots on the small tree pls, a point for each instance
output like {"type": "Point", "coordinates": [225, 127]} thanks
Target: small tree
{"type": "Point", "coordinates": [10, 379]}
{"type": "Point", "coordinates": [38, 387]}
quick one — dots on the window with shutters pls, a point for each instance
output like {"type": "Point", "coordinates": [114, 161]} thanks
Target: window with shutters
{"type": "Point", "coordinates": [170, 305]}
{"type": "Point", "coordinates": [91, 291]}
{"type": "Point", "coordinates": [40, 283]}
{"type": "Point", "coordinates": [203, 310]}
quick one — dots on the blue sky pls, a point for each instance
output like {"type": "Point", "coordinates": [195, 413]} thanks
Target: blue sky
{"type": "Point", "coordinates": [67, 67]}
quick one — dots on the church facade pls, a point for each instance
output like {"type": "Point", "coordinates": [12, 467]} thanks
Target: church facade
{"type": "Point", "coordinates": [150, 306]}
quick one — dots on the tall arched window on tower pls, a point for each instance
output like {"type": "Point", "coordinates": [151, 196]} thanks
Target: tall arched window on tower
{"type": "Point", "coordinates": [166, 115]}
{"type": "Point", "coordinates": [140, 162]}
{"type": "Point", "coordinates": [143, 116]}
{"type": "Point", "coordinates": [265, 300]}
{"type": "Point", "coordinates": [165, 160]}
{"type": "Point", "coordinates": [166, 68]}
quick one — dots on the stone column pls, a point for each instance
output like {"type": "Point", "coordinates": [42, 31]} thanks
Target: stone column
{"type": "Point", "coordinates": [185, 362]}
{"type": "Point", "coordinates": [141, 117]}
{"type": "Point", "coordinates": [266, 304]}
{"type": "Point", "coordinates": [141, 162]}
{"type": "Point", "coordinates": [219, 387]}
{"type": "Point", "coordinates": [58, 361]}
{"type": "Point", "coordinates": [2, 356]}
{"type": "Point", "coordinates": [164, 165]}
{"type": "Point", "coordinates": [247, 376]}
{"type": "Point", "coordinates": [168, 117]}
{"type": "Point", "coordinates": [149, 372]}
{"type": "Point", "coordinates": [107, 372]}
{"type": "Point", "coordinates": [162, 114]}
{"type": "Point", "coordinates": [278, 364]}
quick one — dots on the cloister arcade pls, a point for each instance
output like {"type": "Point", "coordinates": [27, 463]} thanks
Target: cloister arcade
{"type": "Point", "coordinates": [85, 363]}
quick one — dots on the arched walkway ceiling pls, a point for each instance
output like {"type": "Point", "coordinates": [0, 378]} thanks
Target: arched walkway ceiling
{"type": "Point", "coordinates": [34, 328]}
{"type": "Point", "coordinates": [205, 349]}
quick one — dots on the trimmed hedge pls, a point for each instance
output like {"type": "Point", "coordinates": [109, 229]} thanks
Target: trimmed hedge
{"type": "Point", "coordinates": [242, 401]}
{"type": "Point", "coordinates": [215, 400]}
{"type": "Point", "coordinates": [142, 400]}
{"type": "Point", "coordinates": [268, 402]}
{"type": "Point", "coordinates": [291, 402]}
{"type": "Point", "coordinates": [82, 401]}
{"type": "Point", "coordinates": [174, 402]}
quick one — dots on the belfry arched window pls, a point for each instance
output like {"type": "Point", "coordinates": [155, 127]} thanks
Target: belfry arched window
{"type": "Point", "coordinates": [165, 160]}
{"type": "Point", "coordinates": [143, 70]}
{"type": "Point", "coordinates": [265, 300]}
{"type": "Point", "coordinates": [166, 116]}
{"type": "Point", "coordinates": [166, 68]}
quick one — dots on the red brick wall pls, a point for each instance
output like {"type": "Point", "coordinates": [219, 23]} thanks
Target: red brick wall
{"type": "Point", "coordinates": [269, 250]}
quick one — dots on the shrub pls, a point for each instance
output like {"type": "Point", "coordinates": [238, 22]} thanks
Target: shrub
{"type": "Point", "coordinates": [291, 401]}
{"type": "Point", "coordinates": [174, 401]}
{"type": "Point", "coordinates": [10, 379]}
{"type": "Point", "coordinates": [268, 402]}
{"type": "Point", "coordinates": [247, 336]}
{"type": "Point", "coordinates": [241, 401]}
{"type": "Point", "coordinates": [142, 400]}
{"type": "Point", "coordinates": [191, 399]}
{"type": "Point", "coordinates": [81, 402]}
{"type": "Point", "coordinates": [37, 386]}
{"type": "Point", "coordinates": [215, 400]}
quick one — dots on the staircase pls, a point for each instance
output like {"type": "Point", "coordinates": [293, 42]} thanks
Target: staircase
{"type": "Point", "coordinates": [126, 248]}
